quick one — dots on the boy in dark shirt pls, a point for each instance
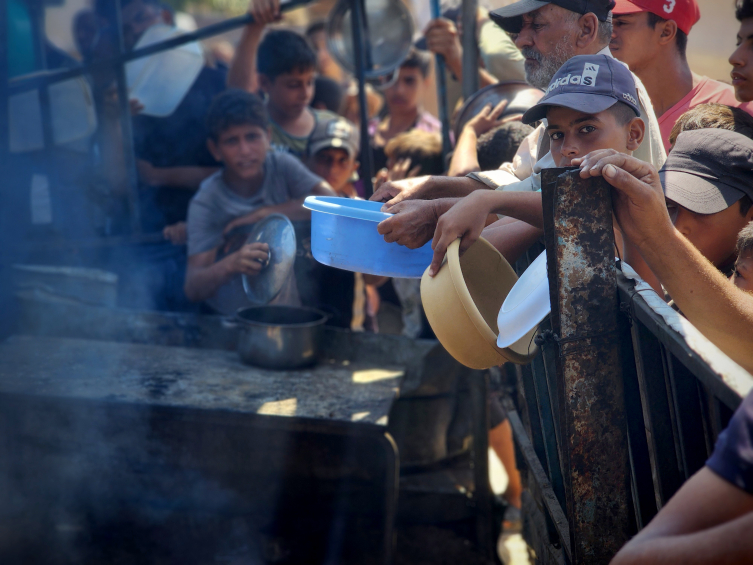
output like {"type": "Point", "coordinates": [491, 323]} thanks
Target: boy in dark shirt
{"type": "Point", "coordinates": [171, 151]}
{"type": "Point", "coordinates": [286, 67]}
{"type": "Point", "coordinates": [253, 183]}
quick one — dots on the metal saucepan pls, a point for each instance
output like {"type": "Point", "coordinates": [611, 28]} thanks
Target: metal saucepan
{"type": "Point", "coordinates": [388, 36]}
{"type": "Point", "coordinates": [279, 337]}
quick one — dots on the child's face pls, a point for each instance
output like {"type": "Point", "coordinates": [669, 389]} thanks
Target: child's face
{"type": "Point", "coordinates": [335, 166]}
{"type": "Point", "coordinates": [714, 235]}
{"type": "Point", "coordinates": [404, 94]}
{"type": "Point", "coordinates": [242, 150]}
{"type": "Point", "coordinates": [289, 93]}
{"type": "Point", "coordinates": [575, 134]}
{"type": "Point", "coordinates": [743, 275]}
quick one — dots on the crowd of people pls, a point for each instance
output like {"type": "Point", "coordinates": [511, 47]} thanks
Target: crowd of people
{"type": "Point", "coordinates": [683, 219]}
{"type": "Point", "coordinates": [278, 124]}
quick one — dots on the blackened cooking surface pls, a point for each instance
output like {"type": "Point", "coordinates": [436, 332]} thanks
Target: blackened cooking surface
{"type": "Point", "coordinates": [203, 379]}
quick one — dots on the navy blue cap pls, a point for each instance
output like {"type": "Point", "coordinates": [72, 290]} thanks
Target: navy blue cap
{"type": "Point", "coordinates": [589, 84]}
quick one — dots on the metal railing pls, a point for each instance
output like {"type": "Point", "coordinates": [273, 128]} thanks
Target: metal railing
{"type": "Point", "coordinates": [678, 395]}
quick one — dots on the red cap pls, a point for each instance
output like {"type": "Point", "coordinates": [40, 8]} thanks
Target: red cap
{"type": "Point", "coordinates": [685, 13]}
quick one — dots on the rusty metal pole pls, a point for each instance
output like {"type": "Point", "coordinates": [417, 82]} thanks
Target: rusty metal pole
{"type": "Point", "coordinates": [585, 309]}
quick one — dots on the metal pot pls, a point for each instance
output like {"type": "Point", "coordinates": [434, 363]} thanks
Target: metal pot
{"type": "Point", "coordinates": [388, 38]}
{"type": "Point", "coordinates": [279, 337]}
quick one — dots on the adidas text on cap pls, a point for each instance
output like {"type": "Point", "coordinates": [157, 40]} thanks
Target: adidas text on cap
{"type": "Point", "coordinates": [589, 84]}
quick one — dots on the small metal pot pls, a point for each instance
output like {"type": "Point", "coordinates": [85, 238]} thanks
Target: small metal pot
{"type": "Point", "coordinates": [279, 337]}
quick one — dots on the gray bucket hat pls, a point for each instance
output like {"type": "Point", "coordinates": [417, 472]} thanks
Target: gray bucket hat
{"type": "Point", "coordinates": [708, 170]}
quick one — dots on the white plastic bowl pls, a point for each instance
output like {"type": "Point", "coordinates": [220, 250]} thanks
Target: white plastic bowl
{"type": "Point", "coordinates": [161, 81]}
{"type": "Point", "coordinates": [526, 304]}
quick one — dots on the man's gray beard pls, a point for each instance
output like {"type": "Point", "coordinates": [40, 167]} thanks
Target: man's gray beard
{"type": "Point", "coordinates": [541, 76]}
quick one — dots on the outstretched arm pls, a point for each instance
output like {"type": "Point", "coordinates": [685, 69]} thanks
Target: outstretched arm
{"type": "Point", "coordinates": [465, 157]}
{"type": "Point", "coordinates": [511, 237]}
{"type": "Point", "coordinates": [468, 217]}
{"type": "Point", "coordinates": [425, 188]}
{"type": "Point", "coordinates": [293, 209]}
{"type": "Point", "coordinates": [204, 276]}
{"type": "Point", "coordinates": [442, 38]}
{"type": "Point", "coordinates": [242, 72]}
{"type": "Point", "coordinates": [707, 521]}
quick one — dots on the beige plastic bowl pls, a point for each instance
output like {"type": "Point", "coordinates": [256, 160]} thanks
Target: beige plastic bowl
{"type": "Point", "coordinates": [462, 303]}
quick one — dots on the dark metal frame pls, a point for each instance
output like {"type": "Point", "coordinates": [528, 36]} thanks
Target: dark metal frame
{"type": "Point", "coordinates": [675, 406]}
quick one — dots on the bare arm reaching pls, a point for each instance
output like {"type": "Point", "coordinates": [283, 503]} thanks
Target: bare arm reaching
{"type": "Point", "coordinates": [707, 521]}
{"type": "Point", "coordinates": [204, 276]}
{"type": "Point", "coordinates": [442, 38]}
{"type": "Point", "coordinates": [293, 209]}
{"type": "Point", "coordinates": [468, 217]}
{"type": "Point", "coordinates": [425, 188]}
{"type": "Point", "coordinates": [242, 72]}
{"type": "Point", "coordinates": [465, 157]}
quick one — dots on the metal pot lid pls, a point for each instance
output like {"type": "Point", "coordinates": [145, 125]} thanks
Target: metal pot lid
{"type": "Point", "coordinates": [389, 36]}
{"type": "Point", "coordinates": [276, 231]}
{"type": "Point", "coordinates": [520, 96]}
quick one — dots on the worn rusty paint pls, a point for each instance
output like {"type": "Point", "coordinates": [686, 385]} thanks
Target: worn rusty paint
{"type": "Point", "coordinates": [582, 274]}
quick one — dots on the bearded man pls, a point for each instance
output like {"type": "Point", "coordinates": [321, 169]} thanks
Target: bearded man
{"type": "Point", "coordinates": [548, 34]}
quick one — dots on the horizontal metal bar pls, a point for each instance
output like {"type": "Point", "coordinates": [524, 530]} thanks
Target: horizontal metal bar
{"type": "Point", "coordinates": [677, 346]}
{"type": "Point", "coordinates": [23, 84]}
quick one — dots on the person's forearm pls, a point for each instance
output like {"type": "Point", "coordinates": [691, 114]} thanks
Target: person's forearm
{"type": "Point", "coordinates": [485, 78]}
{"type": "Point", "coordinates": [375, 280]}
{"type": "Point", "coordinates": [727, 544]}
{"type": "Point", "coordinates": [525, 206]}
{"type": "Point", "coordinates": [633, 257]}
{"type": "Point", "coordinates": [450, 187]}
{"type": "Point", "coordinates": [242, 72]}
{"type": "Point", "coordinates": [721, 312]}
{"type": "Point", "coordinates": [180, 177]}
{"type": "Point", "coordinates": [511, 237]}
{"type": "Point", "coordinates": [465, 157]}
{"type": "Point", "coordinates": [202, 282]}
{"type": "Point", "coordinates": [293, 209]}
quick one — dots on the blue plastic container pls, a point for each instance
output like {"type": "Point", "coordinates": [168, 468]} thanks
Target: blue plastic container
{"type": "Point", "coordinates": [344, 235]}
